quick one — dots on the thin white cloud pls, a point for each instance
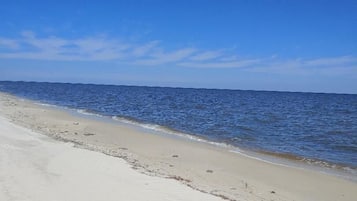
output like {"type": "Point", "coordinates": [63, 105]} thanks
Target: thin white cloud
{"type": "Point", "coordinates": [6, 43]}
{"type": "Point", "coordinates": [28, 34]}
{"type": "Point", "coordinates": [229, 58]}
{"type": "Point", "coordinates": [232, 64]}
{"type": "Point", "coordinates": [327, 66]}
{"type": "Point", "coordinates": [208, 55]}
{"type": "Point", "coordinates": [331, 61]}
{"type": "Point", "coordinates": [159, 58]}
{"type": "Point", "coordinates": [152, 53]}
{"type": "Point", "coordinates": [29, 46]}
{"type": "Point", "coordinates": [54, 48]}
{"type": "Point", "coordinates": [144, 49]}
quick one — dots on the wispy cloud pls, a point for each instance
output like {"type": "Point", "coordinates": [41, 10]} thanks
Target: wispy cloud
{"type": "Point", "coordinates": [331, 61]}
{"type": "Point", "coordinates": [158, 58]}
{"type": "Point", "coordinates": [153, 53]}
{"type": "Point", "coordinates": [8, 43]}
{"type": "Point", "coordinates": [54, 48]}
{"type": "Point", "coordinates": [206, 55]}
{"type": "Point", "coordinates": [144, 49]}
{"type": "Point", "coordinates": [328, 65]}
{"type": "Point", "coordinates": [215, 64]}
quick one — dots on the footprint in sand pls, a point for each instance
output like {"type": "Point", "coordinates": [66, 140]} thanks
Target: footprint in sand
{"type": "Point", "coordinates": [88, 134]}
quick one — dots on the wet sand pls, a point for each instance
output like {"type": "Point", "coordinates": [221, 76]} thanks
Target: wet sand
{"type": "Point", "coordinates": [201, 166]}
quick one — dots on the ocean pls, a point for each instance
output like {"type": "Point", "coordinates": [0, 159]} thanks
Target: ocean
{"type": "Point", "coordinates": [314, 127]}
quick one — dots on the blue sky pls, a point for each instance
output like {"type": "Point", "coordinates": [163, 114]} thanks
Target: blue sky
{"type": "Point", "coordinates": [260, 45]}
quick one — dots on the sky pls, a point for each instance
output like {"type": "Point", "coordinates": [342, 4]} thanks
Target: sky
{"type": "Point", "coordinates": [281, 45]}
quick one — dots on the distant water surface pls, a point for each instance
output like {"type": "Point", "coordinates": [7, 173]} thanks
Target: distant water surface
{"type": "Point", "coordinates": [311, 126]}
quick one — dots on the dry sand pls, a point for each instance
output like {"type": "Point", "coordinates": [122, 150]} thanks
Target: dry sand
{"type": "Point", "coordinates": [35, 167]}
{"type": "Point", "coordinates": [201, 166]}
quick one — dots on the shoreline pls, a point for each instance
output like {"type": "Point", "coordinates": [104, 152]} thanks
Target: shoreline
{"type": "Point", "coordinates": [203, 167]}
{"type": "Point", "coordinates": [283, 159]}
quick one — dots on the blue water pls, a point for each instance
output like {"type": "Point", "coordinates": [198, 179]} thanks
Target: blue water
{"type": "Point", "coordinates": [307, 125]}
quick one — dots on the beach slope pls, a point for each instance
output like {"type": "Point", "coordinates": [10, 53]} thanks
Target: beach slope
{"type": "Point", "coordinates": [36, 167]}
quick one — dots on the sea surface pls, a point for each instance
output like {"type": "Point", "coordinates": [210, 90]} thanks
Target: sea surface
{"type": "Point", "coordinates": [315, 127]}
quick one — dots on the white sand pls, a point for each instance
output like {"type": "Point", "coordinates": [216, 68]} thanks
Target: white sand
{"type": "Point", "coordinates": [36, 167]}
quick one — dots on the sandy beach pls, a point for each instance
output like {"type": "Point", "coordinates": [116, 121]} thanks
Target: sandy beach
{"type": "Point", "coordinates": [47, 153]}
{"type": "Point", "coordinates": [36, 167]}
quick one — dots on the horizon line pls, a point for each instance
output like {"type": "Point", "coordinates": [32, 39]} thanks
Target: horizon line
{"type": "Point", "coordinates": [176, 87]}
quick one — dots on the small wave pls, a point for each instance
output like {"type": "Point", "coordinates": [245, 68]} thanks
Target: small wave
{"type": "Point", "coordinates": [154, 127]}
{"type": "Point", "coordinates": [88, 112]}
{"type": "Point", "coordinates": [311, 161]}
{"type": "Point", "coordinates": [43, 104]}
{"type": "Point", "coordinates": [290, 160]}
{"type": "Point", "coordinates": [166, 130]}
{"type": "Point", "coordinates": [259, 158]}
{"type": "Point", "coordinates": [301, 163]}
{"type": "Point", "coordinates": [328, 165]}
